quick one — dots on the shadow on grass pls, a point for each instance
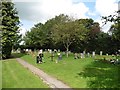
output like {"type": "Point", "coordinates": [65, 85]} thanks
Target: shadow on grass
{"type": "Point", "coordinates": [17, 55]}
{"type": "Point", "coordinates": [101, 75]}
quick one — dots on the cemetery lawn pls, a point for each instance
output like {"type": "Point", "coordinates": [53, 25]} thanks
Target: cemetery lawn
{"type": "Point", "coordinates": [80, 73]}
{"type": "Point", "coordinates": [0, 74]}
{"type": "Point", "coordinates": [15, 75]}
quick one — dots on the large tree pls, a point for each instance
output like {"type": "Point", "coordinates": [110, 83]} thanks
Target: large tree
{"type": "Point", "coordinates": [64, 32]}
{"type": "Point", "coordinates": [10, 27]}
{"type": "Point", "coordinates": [35, 38]}
{"type": "Point", "coordinates": [93, 29]}
{"type": "Point", "coordinates": [68, 31]}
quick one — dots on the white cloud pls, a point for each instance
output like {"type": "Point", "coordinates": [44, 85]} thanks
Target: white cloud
{"type": "Point", "coordinates": [105, 8]}
{"type": "Point", "coordinates": [45, 9]}
{"type": "Point", "coordinates": [91, 13]}
{"type": "Point", "coordinates": [104, 27]}
{"type": "Point", "coordinates": [22, 31]}
{"type": "Point", "coordinates": [41, 10]}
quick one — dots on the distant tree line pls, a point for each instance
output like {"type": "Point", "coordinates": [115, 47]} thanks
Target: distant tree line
{"type": "Point", "coordinates": [76, 35]}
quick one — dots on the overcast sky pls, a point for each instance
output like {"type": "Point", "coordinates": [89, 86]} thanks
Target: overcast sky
{"type": "Point", "coordinates": [34, 11]}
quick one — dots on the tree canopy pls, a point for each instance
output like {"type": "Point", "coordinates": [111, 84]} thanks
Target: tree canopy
{"type": "Point", "coordinates": [9, 28]}
{"type": "Point", "coordinates": [114, 29]}
{"type": "Point", "coordinates": [76, 35]}
{"type": "Point", "coordinates": [63, 32]}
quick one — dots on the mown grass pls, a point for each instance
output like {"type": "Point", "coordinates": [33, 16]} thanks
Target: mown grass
{"type": "Point", "coordinates": [80, 73]}
{"type": "Point", "coordinates": [15, 75]}
{"type": "Point", "coordinates": [0, 74]}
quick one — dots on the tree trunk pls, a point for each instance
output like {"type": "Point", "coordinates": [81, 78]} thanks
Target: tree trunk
{"type": "Point", "coordinates": [67, 51]}
{"type": "Point", "coordinates": [67, 45]}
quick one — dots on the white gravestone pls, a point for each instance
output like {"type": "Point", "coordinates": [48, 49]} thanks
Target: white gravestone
{"type": "Point", "coordinates": [93, 54]}
{"type": "Point", "coordinates": [50, 51]}
{"type": "Point", "coordinates": [84, 52]}
{"type": "Point", "coordinates": [101, 53]}
{"type": "Point", "coordinates": [88, 54]}
{"type": "Point", "coordinates": [82, 55]}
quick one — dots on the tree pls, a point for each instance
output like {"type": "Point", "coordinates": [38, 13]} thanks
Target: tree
{"type": "Point", "coordinates": [105, 43]}
{"type": "Point", "coordinates": [64, 33]}
{"type": "Point", "coordinates": [93, 29]}
{"type": "Point", "coordinates": [36, 38]}
{"type": "Point", "coordinates": [114, 29]}
{"type": "Point", "coordinates": [17, 41]}
{"type": "Point", "coordinates": [10, 27]}
{"type": "Point", "coordinates": [92, 37]}
{"type": "Point", "coordinates": [67, 31]}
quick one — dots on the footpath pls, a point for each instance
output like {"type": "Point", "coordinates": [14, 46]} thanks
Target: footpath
{"type": "Point", "coordinates": [51, 81]}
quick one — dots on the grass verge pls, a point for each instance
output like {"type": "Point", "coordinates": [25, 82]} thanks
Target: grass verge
{"type": "Point", "coordinates": [0, 74]}
{"type": "Point", "coordinates": [15, 75]}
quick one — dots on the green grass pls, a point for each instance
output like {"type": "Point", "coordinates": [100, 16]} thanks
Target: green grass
{"type": "Point", "coordinates": [81, 73]}
{"type": "Point", "coordinates": [15, 75]}
{"type": "Point", "coordinates": [0, 74]}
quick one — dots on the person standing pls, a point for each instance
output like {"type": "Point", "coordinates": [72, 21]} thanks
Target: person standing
{"type": "Point", "coordinates": [39, 57]}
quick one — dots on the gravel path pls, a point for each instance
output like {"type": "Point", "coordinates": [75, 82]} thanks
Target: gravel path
{"type": "Point", "coordinates": [51, 81]}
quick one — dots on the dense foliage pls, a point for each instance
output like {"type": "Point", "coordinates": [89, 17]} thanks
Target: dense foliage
{"type": "Point", "coordinates": [61, 32]}
{"type": "Point", "coordinates": [9, 28]}
{"type": "Point", "coordinates": [65, 33]}
{"type": "Point", "coordinates": [114, 30]}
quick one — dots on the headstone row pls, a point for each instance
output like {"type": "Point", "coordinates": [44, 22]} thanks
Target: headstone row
{"type": "Point", "coordinates": [84, 54]}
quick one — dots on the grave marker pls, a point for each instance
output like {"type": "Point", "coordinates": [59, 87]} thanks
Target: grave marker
{"type": "Point", "coordinates": [50, 51]}
{"type": "Point", "coordinates": [88, 54]}
{"type": "Point", "coordinates": [101, 53]}
{"type": "Point", "coordinates": [93, 53]}
{"type": "Point", "coordinates": [82, 55]}
{"type": "Point", "coordinates": [84, 52]}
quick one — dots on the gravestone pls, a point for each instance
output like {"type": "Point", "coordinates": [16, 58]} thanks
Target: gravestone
{"type": "Point", "coordinates": [26, 50]}
{"type": "Point", "coordinates": [69, 52]}
{"type": "Point", "coordinates": [29, 50]}
{"type": "Point", "coordinates": [84, 52]}
{"type": "Point", "coordinates": [55, 50]}
{"type": "Point", "coordinates": [101, 53]}
{"type": "Point", "coordinates": [93, 53]}
{"type": "Point", "coordinates": [75, 56]}
{"type": "Point", "coordinates": [82, 55]}
{"type": "Point", "coordinates": [106, 54]}
{"type": "Point", "coordinates": [88, 54]}
{"type": "Point", "coordinates": [41, 51]}
{"type": "Point", "coordinates": [118, 50]}
{"type": "Point", "coordinates": [58, 50]}
{"type": "Point", "coordinates": [50, 51]}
